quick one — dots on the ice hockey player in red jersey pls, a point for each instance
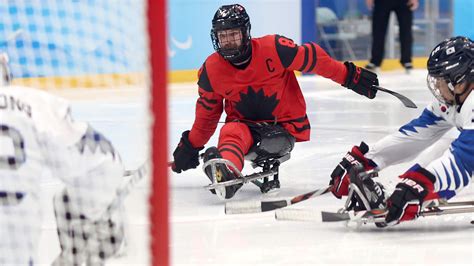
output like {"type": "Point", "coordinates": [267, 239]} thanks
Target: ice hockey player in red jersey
{"type": "Point", "coordinates": [451, 80]}
{"type": "Point", "coordinates": [253, 81]}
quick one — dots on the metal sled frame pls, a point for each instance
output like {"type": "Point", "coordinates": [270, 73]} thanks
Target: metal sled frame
{"type": "Point", "coordinates": [360, 196]}
{"type": "Point", "coordinates": [270, 169]}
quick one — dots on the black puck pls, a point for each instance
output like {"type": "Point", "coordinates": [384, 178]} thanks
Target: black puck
{"type": "Point", "coordinates": [472, 222]}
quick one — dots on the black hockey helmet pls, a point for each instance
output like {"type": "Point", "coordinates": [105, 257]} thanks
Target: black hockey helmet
{"type": "Point", "coordinates": [450, 63]}
{"type": "Point", "coordinates": [232, 17]}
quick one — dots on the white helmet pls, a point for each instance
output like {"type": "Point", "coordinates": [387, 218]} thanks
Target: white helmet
{"type": "Point", "coordinates": [5, 74]}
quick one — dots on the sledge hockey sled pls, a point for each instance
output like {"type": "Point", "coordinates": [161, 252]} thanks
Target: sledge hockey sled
{"type": "Point", "coordinates": [267, 179]}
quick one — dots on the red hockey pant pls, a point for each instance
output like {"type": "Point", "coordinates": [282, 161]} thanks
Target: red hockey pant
{"type": "Point", "coordinates": [235, 141]}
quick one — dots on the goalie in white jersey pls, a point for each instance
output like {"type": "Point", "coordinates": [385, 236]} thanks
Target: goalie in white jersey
{"type": "Point", "coordinates": [451, 80]}
{"type": "Point", "coordinates": [37, 133]}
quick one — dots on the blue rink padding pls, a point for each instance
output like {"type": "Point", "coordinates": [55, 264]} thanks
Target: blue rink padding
{"type": "Point", "coordinates": [463, 22]}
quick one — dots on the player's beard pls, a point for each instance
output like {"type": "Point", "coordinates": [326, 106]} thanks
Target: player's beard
{"type": "Point", "coordinates": [231, 46]}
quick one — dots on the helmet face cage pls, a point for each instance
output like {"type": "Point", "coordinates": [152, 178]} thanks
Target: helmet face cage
{"type": "Point", "coordinates": [437, 85]}
{"type": "Point", "coordinates": [231, 17]}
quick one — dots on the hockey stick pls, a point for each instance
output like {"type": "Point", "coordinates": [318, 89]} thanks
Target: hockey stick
{"type": "Point", "coordinates": [134, 177]}
{"type": "Point", "coordinates": [406, 102]}
{"type": "Point", "coordinates": [368, 216]}
{"type": "Point", "coordinates": [239, 207]}
{"type": "Point", "coordinates": [377, 216]}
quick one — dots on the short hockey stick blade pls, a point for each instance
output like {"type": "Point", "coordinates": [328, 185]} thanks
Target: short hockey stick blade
{"type": "Point", "coordinates": [334, 216]}
{"type": "Point", "coordinates": [297, 215]}
{"type": "Point", "coordinates": [364, 216]}
{"type": "Point", "coordinates": [405, 100]}
{"type": "Point", "coordinates": [240, 207]}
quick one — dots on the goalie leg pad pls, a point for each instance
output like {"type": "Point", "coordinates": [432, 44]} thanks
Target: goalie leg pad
{"type": "Point", "coordinates": [20, 228]}
{"type": "Point", "coordinates": [83, 240]}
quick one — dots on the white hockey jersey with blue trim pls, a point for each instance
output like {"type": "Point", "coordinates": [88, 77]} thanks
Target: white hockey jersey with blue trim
{"type": "Point", "coordinates": [454, 169]}
{"type": "Point", "coordinates": [37, 133]}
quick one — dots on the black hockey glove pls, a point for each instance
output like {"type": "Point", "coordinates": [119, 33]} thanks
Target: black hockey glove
{"type": "Point", "coordinates": [405, 202]}
{"type": "Point", "coordinates": [185, 155]}
{"type": "Point", "coordinates": [340, 174]}
{"type": "Point", "coordinates": [360, 80]}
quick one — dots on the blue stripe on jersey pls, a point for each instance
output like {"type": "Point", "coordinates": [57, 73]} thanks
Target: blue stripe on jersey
{"type": "Point", "coordinates": [446, 194]}
{"type": "Point", "coordinates": [463, 151]}
{"type": "Point", "coordinates": [457, 180]}
{"type": "Point", "coordinates": [440, 180]}
{"type": "Point", "coordinates": [464, 172]}
{"type": "Point", "coordinates": [414, 168]}
{"type": "Point", "coordinates": [448, 178]}
{"type": "Point", "coordinates": [424, 120]}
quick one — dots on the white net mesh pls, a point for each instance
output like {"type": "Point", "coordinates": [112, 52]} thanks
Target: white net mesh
{"type": "Point", "coordinates": [74, 43]}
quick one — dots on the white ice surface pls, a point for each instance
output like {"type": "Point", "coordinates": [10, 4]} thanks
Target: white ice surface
{"type": "Point", "coordinates": [201, 234]}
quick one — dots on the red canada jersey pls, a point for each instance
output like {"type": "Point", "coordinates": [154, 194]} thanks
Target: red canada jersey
{"type": "Point", "coordinates": [266, 90]}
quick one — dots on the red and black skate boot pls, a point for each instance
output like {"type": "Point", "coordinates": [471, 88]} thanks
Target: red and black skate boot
{"type": "Point", "coordinates": [222, 174]}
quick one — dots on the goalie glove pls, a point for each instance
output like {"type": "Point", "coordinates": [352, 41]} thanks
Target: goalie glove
{"type": "Point", "coordinates": [340, 178]}
{"type": "Point", "coordinates": [406, 201]}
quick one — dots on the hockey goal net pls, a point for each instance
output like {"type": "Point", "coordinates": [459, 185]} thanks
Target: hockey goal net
{"type": "Point", "coordinates": [90, 51]}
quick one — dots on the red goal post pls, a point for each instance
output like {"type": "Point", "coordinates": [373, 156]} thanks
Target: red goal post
{"type": "Point", "coordinates": [158, 72]}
